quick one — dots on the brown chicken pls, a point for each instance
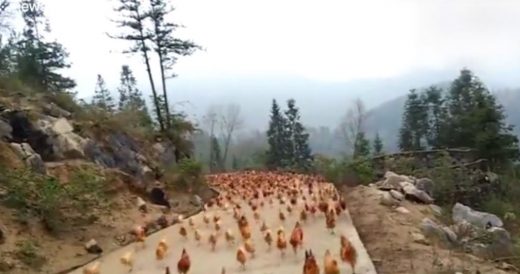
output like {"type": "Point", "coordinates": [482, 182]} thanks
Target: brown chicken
{"type": "Point", "coordinates": [330, 265]}
{"type": "Point", "coordinates": [245, 230]}
{"type": "Point", "coordinates": [281, 216]}
{"type": "Point", "coordinates": [161, 250]}
{"type": "Point", "coordinates": [197, 236]}
{"type": "Point", "coordinates": [217, 226]}
{"type": "Point", "coordinates": [241, 257]}
{"type": "Point", "coordinates": [347, 252]}
{"type": "Point", "coordinates": [281, 242]}
{"type": "Point", "coordinates": [230, 238]}
{"type": "Point", "coordinates": [167, 270]}
{"type": "Point", "coordinates": [330, 220]}
{"type": "Point", "coordinates": [183, 266]}
{"type": "Point", "coordinates": [296, 237]}
{"type": "Point", "coordinates": [127, 259]}
{"type": "Point", "coordinates": [303, 215]}
{"type": "Point", "coordinates": [213, 241]}
{"type": "Point", "coordinates": [140, 234]}
{"type": "Point", "coordinates": [183, 232]}
{"type": "Point", "coordinates": [268, 238]}
{"type": "Point", "coordinates": [264, 227]}
{"type": "Point", "coordinates": [310, 266]}
{"type": "Point", "coordinates": [205, 218]}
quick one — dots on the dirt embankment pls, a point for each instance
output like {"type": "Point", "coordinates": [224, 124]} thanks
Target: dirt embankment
{"type": "Point", "coordinates": [388, 236]}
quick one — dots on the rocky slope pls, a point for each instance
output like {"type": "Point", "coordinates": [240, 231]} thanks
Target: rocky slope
{"type": "Point", "coordinates": [66, 179]}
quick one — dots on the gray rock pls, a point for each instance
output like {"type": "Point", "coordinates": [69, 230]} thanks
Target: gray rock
{"type": "Point", "coordinates": [434, 230]}
{"type": "Point", "coordinates": [501, 245]}
{"type": "Point", "coordinates": [479, 219]}
{"type": "Point", "coordinates": [53, 110]}
{"type": "Point", "coordinates": [425, 185]}
{"type": "Point", "coordinates": [93, 247]}
{"type": "Point", "coordinates": [392, 181]}
{"type": "Point", "coordinates": [32, 159]}
{"type": "Point", "coordinates": [414, 194]}
{"type": "Point", "coordinates": [388, 200]}
{"type": "Point", "coordinates": [65, 143]}
{"type": "Point", "coordinates": [5, 130]}
{"type": "Point", "coordinates": [397, 195]}
{"type": "Point", "coordinates": [23, 150]}
{"type": "Point", "coordinates": [437, 210]}
{"type": "Point", "coordinates": [36, 163]}
{"type": "Point", "coordinates": [402, 210]}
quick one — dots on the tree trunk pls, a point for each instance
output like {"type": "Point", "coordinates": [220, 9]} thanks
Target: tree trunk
{"type": "Point", "coordinates": [152, 84]}
{"type": "Point", "coordinates": [166, 105]}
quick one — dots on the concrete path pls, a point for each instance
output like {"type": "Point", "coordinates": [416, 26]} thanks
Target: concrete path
{"type": "Point", "coordinates": [205, 261]}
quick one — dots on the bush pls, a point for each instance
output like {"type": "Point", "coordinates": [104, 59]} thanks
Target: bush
{"type": "Point", "coordinates": [28, 252]}
{"type": "Point", "coordinates": [186, 175]}
{"type": "Point", "coordinates": [55, 204]}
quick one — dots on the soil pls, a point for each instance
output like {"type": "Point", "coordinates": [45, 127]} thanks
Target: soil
{"type": "Point", "coordinates": [66, 249]}
{"type": "Point", "coordinates": [387, 236]}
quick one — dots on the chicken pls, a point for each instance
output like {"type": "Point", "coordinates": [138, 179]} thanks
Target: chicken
{"type": "Point", "coordinates": [281, 242]}
{"type": "Point", "coordinates": [127, 259]}
{"type": "Point", "coordinates": [289, 209]}
{"type": "Point", "coordinates": [303, 215]}
{"type": "Point", "coordinates": [213, 241]}
{"type": "Point", "coordinates": [245, 231]}
{"type": "Point", "coordinates": [230, 238]}
{"type": "Point", "coordinates": [216, 218]}
{"type": "Point", "coordinates": [296, 237]}
{"type": "Point", "coordinates": [167, 270]}
{"type": "Point", "coordinates": [256, 215]}
{"type": "Point", "coordinates": [191, 222]}
{"type": "Point", "coordinates": [183, 266]}
{"type": "Point", "coordinates": [248, 244]}
{"type": "Point", "coordinates": [268, 238]}
{"type": "Point", "coordinates": [183, 232]}
{"type": "Point", "coordinates": [241, 257]}
{"type": "Point", "coordinates": [330, 265]}
{"type": "Point", "coordinates": [310, 266]}
{"type": "Point", "coordinates": [330, 220]}
{"type": "Point", "coordinates": [160, 252]}
{"type": "Point", "coordinates": [197, 235]}
{"type": "Point", "coordinates": [264, 227]}
{"type": "Point", "coordinates": [347, 252]}
{"type": "Point", "coordinates": [217, 226]}
{"type": "Point", "coordinates": [205, 218]}
{"type": "Point", "coordinates": [140, 234]}
{"type": "Point", "coordinates": [281, 216]}
{"type": "Point", "coordinates": [93, 269]}
{"type": "Point", "coordinates": [163, 244]}
{"type": "Point", "coordinates": [223, 271]}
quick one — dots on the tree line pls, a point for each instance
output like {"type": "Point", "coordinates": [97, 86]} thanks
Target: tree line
{"type": "Point", "coordinates": [465, 115]}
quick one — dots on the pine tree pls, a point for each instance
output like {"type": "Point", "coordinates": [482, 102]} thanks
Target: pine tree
{"type": "Point", "coordinates": [299, 154]}
{"type": "Point", "coordinates": [133, 20]}
{"type": "Point", "coordinates": [216, 157]}
{"type": "Point", "coordinates": [37, 60]}
{"type": "Point", "coordinates": [361, 146]}
{"type": "Point", "coordinates": [166, 46]}
{"type": "Point", "coordinates": [414, 125]}
{"type": "Point", "coordinates": [102, 97]}
{"type": "Point", "coordinates": [276, 138]}
{"type": "Point", "coordinates": [378, 145]}
{"type": "Point", "coordinates": [434, 101]}
{"type": "Point", "coordinates": [476, 120]}
{"type": "Point", "coordinates": [131, 98]}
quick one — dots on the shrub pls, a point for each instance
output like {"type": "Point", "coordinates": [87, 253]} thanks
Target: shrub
{"type": "Point", "coordinates": [28, 252]}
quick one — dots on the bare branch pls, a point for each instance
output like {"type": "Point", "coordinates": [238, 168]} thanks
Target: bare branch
{"type": "Point", "coordinates": [353, 123]}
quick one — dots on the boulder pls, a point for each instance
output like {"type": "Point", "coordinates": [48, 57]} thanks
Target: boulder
{"type": "Point", "coordinates": [425, 185]}
{"type": "Point", "coordinates": [414, 194]}
{"type": "Point", "coordinates": [388, 200]}
{"type": "Point", "coordinates": [419, 238]}
{"type": "Point", "coordinates": [501, 243]}
{"type": "Point", "coordinates": [392, 181]}
{"type": "Point", "coordinates": [437, 210]}
{"type": "Point", "coordinates": [402, 210]}
{"type": "Point", "coordinates": [431, 229]}
{"type": "Point", "coordinates": [141, 205]}
{"type": "Point", "coordinates": [397, 195]}
{"type": "Point", "coordinates": [53, 110]}
{"type": "Point", "coordinates": [5, 130]}
{"type": "Point", "coordinates": [93, 247]}
{"type": "Point", "coordinates": [31, 158]}
{"type": "Point", "coordinates": [479, 219]}
{"type": "Point", "coordinates": [66, 144]}
{"type": "Point", "coordinates": [162, 222]}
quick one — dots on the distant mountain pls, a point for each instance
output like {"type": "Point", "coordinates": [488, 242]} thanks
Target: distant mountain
{"type": "Point", "coordinates": [386, 118]}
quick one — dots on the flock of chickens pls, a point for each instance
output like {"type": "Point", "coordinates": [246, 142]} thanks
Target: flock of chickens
{"type": "Point", "coordinates": [305, 196]}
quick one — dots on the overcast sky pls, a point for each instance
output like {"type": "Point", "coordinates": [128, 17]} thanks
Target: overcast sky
{"type": "Point", "coordinates": [324, 40]}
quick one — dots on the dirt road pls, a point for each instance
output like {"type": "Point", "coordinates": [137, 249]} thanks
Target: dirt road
{"type": "Point", "coordinates": [205, 261]}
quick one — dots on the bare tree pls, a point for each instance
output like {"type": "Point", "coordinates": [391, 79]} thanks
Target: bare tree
{"type": "Point", "coordinates": [210, 120]}
{"type": "Point", "coordinates": [230, 122]}
{"type": "Point", "coordinates": [353, 123]}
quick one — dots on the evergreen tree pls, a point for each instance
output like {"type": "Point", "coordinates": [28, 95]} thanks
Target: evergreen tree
{"type": "Point", "coordinates": [166, 46]}
{"type": "Point", "coordinates": [131, 98]}
{"type": "Point", "coordinates": [133, 20]}
{"type": "Point", "coordinates": [378, 145]}
{"type": "Point", "coordinates": [414, 125]}
{"type": "Point", "coordinates": [102, 97]}
{"type": "Point", "coordinates": [38, 60]}
{"type": "Point", "coordinates": [299, 154]}
{"type": "Point", "coordinates": [476, 120]}
{"type": "Point", "coordinates": [216, 157]}
{"type": "Point", "coordinates": [434, 101]}
{"type": "Point", "coordinates": [361, 146]}
{"type": "Point", "coordinates": [276, 153]}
